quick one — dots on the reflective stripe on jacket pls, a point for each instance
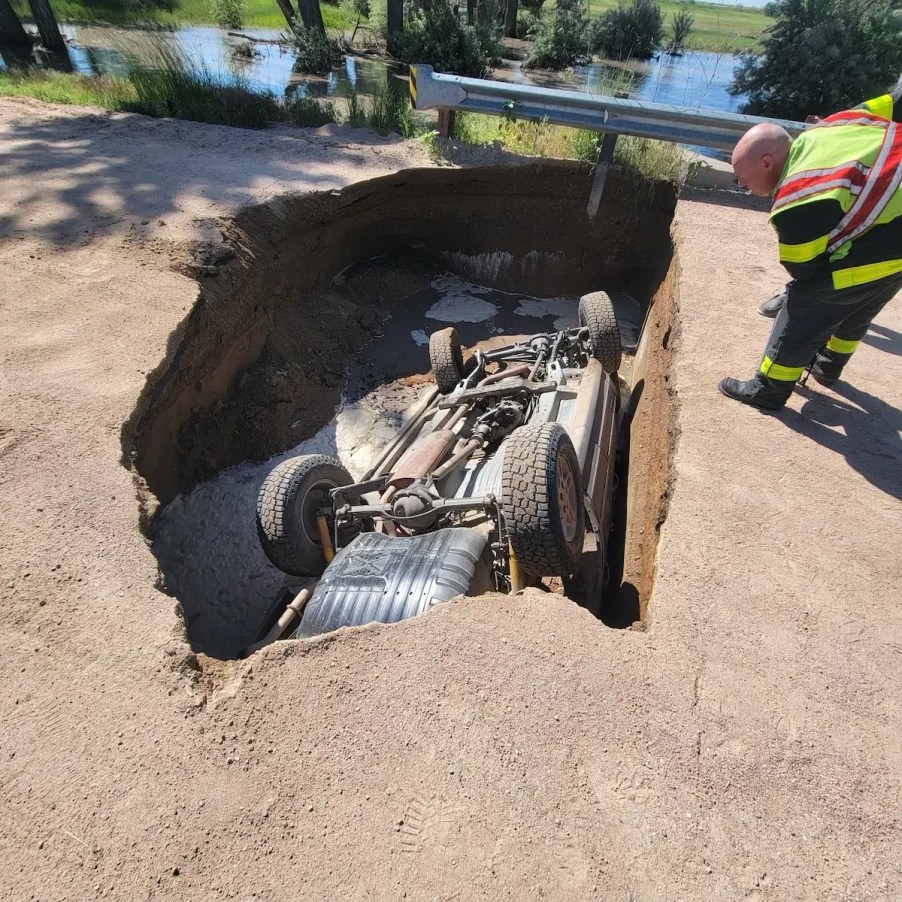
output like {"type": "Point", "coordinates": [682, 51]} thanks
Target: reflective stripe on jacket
{"type": "Point", "coordinates": [838, 205]}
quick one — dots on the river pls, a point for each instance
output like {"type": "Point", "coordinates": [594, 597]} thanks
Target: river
{"type": "Point", "coordinates": [694, 79]}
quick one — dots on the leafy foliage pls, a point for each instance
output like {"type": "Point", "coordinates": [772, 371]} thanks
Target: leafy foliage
{"type": "Point", "coordinates": [307, 112]}
{"type": "Point", "coordinates": [681, 24]}
{"type": "Point", "coordinates": [821, 56]}
{"type": "Point", "coordinates": [314, 51]}
{"type": "Point", "coordinates": [635, 28]}
{"type": "Point", "coordinates": [228, 13]}
{"type": "Point", "coordinates": [527, 26]}
{"type": "Point", "coordinates": [388, 110]}
{"type": "Point", "coordinates": [434, 33]}
{"type": "Point", "coordinates": [561, 39]}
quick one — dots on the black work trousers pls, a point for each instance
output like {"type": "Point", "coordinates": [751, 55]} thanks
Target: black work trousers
{"type": "Point", "coordinates": [814, 318]}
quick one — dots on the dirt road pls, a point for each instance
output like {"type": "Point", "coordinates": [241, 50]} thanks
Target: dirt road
{"type": "Point", "coordinates": [745, 746]}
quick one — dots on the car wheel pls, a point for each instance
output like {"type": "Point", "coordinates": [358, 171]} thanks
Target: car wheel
{"type": "Point", "coordinates": [596, 313]}
{"type": "Point", "coordinates": [287, 507]}
{"type": "Point", "coordinates": [446, 354]}
{"type": "Point", "coordinates": [543, 500]}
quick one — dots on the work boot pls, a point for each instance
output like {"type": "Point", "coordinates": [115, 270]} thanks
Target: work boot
{"type": "Point", "coordinates": [759, 391]}
{"type": "Point", "coordinates": [771, 308]}
{"type": "Point", "coordinates": [828, 366]}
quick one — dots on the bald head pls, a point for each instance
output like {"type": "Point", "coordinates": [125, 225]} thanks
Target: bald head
{"type": "Point", "coordinates": [759, 156]}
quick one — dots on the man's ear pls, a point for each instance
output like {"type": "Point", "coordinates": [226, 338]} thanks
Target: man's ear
{"type": "Point", "coordinates": [767, 161]}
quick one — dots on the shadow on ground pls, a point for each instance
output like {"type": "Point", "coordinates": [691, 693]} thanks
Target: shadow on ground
{"type": "Point", "coordinates": [862, 428]}
{"type": "Point", "coordinates": [101, 172]}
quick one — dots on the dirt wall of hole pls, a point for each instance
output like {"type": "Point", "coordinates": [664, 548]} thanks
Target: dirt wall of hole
{"type": "Point", "coordinates": [651, 434]}
{"type": "Point", "coordinates": [257, 365]}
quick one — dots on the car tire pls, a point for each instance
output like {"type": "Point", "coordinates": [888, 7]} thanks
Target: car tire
{"type": "Point", "coordinates": [596, 313]}
{"type": "Point", "coordinates": [543, 500]}
{"type": "Point", "coordinates": [287, 507]}
{"type": "Point", "coordinates": [446, 354]}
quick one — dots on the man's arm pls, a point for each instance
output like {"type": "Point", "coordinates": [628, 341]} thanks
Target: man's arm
{"type": "Point", "coordinates": [802, 232]}
{"type": "Point", "coordinates": [887, 106]}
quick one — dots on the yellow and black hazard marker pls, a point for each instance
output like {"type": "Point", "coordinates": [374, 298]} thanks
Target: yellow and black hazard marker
{"type": "Point", "coordinates": [413, 86]}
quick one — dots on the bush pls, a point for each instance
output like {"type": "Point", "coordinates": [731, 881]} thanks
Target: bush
{"type": "Point", "coordinates": [358, 9]}
{"type": "Point", "coordinates": [533, 6]}
{"type": "Point", "coordinates": [388, 111]}
{"type": "Point", "coordinates": [228, 13]}
{"type": "Point", "coordinates": [167, 86]}
{"type": "Point", "coordinates": [527, 26]}
{"type": "Point", "coordinates": [634, 29]}
{"type": "Point", "coordinates": [435, 34]}
{"type": "Point", "coordinates": [681, 25]}
{"type": "Point", "coordinates": [561, 39]}
{"type": "Point", "coordinates": [314, 52]}
{"type": "Point", "coordinates": [821, 56]}
{"type": "Point", "coordinates": [305, 111]}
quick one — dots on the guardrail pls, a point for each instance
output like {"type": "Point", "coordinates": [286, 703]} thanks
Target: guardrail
{"type": "Point", "coordinates": [579, 109]}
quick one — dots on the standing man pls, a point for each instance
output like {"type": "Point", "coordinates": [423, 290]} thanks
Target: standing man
{"type": "Point", "coordinates": [838, 214]}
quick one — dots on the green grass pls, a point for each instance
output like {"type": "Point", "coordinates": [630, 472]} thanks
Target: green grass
{"type": "Point", "coordinates": [258, 13]}
{"type": "Point", "coordinates": [166, 86]}
{"type": "Point", "coordinates": [57, 87]}
{"type": "Point", "coordinates": [654, 159]}
{"type": "Point", "coordinates": [170, 89]}
{"type": "Point", "coordinates": [167, 90]}
{"type": "Point", "coordinates": [716, 28]}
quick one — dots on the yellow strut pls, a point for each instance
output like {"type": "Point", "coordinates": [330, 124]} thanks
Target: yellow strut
{"type": "Point", "coordinates": [325, 538]}
{"type": "Point", "coordinates": [516, 577]}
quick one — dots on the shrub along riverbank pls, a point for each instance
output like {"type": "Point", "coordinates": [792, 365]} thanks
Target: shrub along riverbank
{"type": "Point", "coordinates": [715, 27]}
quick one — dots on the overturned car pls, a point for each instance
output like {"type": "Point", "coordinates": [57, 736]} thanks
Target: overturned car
{"type": "Point", "coordinates": [502, 475]}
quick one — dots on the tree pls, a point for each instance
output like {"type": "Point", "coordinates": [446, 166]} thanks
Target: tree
{"type": "Point", "coordinates": [312, 16]}
{"type": "Point", "coordinates": [434, 33]}
{"type": "Point", "coordinates": [681, 25]}
{"type": "Point", "coordinates": [395, 23]}
{"type": "Point", "coordinates": [287, 11]}
{"type": "Point", "coordinates": [510, 19]}
{"type": "Point", "coordinates": [12, 34]}
{"type": "Point", "coordinates": [47, 27]}
{"type": "Point", "coordinates": [633, 29]}
{"type": "Point", "coordinates": [561, 39]}
{"type": "Point", "coordinates": [821, 56]}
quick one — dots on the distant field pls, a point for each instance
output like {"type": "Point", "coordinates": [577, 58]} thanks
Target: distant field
{"type": "Point", "coordinates": [258, 13]}
{"type": "Point", "coordinates": [719, 28]}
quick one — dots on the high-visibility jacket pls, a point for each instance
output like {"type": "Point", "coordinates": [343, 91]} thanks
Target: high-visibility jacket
{"type": "Point", "coordinates": [838, 205]}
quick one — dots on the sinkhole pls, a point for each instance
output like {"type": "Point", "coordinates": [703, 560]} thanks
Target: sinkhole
{"type": "Point", "coordinates": [310, 335]}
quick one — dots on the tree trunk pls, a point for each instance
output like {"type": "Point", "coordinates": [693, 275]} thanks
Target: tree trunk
{"type": "Point", "coordinates": [312, 15]}
{"type": "Point", "coordinates": [12, 34]}
{"type": "Point", "coordinates": [46, 22]}
{"type": "Point", "coordinates": [510, 19]}
{"type": "Point", "coordinates": [287, 11]}
{"type": "Point", "coordinates": [471, 11]}
{"type": "Point", "coordinates": [395, 24]}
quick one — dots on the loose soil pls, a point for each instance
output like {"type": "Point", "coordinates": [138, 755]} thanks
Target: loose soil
{"type": "Point", "coordinates": [744, 747]}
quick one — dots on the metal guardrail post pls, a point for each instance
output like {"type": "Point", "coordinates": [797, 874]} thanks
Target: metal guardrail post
{"type": "Point", "coordinates": [602, 165]}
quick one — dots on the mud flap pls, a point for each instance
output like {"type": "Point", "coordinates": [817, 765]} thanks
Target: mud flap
{"type": "Point", "coordinates": [380, 579]}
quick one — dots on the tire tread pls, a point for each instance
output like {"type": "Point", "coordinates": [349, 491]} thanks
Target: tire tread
{"type": "Point", "coordinates": [530, 502]}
